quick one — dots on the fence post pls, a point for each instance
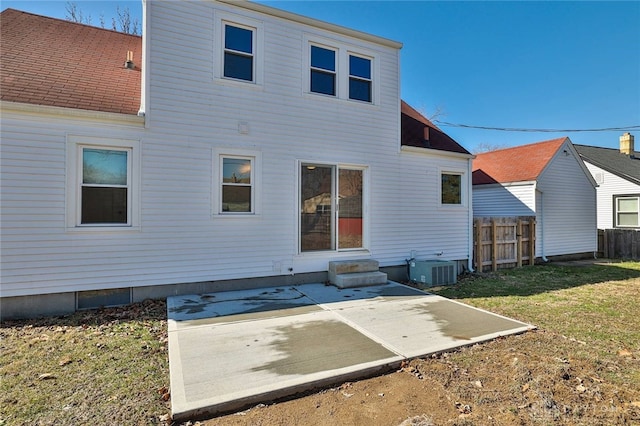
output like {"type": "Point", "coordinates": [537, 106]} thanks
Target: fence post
{"type": "Point", "coordinates": [519, 242]}
{"type": "Point", "coordinates": [494, 245]}
{"type": "Point", "coordinates": [532, 240]}
{"type": "Point", "coordinates": [479, 254]}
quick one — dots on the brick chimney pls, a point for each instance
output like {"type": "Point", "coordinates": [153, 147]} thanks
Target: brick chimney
{"type": "Point", "coordinates": [626, 144]}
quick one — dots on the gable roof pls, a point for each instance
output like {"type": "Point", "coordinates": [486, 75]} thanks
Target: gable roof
{"type": "Point", "coordinates": [518, 164]}
{"type": "Point", "coordinates": [613, 161]}
{"type": "Point", "coordinates": [52, 62]}
{"type": "Point", "coordinates": [418, 131]}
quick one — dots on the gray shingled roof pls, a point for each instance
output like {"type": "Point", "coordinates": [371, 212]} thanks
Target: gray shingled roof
{"type": "Point", "coordinates": [613, 161]}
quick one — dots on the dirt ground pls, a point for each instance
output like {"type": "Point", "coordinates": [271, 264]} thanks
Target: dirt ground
{"type": "Point", "coordinates": [110, 366]}
{"type": "Point", "coordinates": [533, 378]}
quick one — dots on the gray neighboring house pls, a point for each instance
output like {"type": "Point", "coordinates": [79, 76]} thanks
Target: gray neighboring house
{"type": "Point", "coordinates": [617, 173]}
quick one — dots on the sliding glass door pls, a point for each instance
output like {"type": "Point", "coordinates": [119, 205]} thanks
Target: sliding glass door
{"type": "Point", "coordinates": [331, 207]}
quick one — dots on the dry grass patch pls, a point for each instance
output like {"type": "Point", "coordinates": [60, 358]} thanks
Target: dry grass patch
{"type": "Point", "coordinates": [581, 367]}
{"type": "Point", "coordinates": [106, 366]}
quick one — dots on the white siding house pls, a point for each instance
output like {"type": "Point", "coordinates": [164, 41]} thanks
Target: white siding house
{"type": "Point", "coordinates": [617, 173]}
{"type": "Point", "coordinates": [262, 145]}
{"type": "Point", "coordinates": [546, 180]}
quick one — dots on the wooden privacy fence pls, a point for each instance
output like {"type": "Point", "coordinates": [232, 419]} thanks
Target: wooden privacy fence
{"type": "Point", "coordinates": [619, 243]}
{"type": "Point", "coordinates": [504, 242]}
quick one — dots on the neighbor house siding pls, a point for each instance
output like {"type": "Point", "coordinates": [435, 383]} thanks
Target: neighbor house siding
{"type": "Point", "coordinates": [510, 200]}
{"type": "Point", "coordinates": [568, 207]}
{"type": "Point", "coordinates": [609, 185]}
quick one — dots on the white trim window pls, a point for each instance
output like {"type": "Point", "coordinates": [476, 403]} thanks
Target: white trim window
{"type": "Point", "coordinates": [322, 77]}
{"type": "Point", "coordinates": [627, 211]}
{"type": "Point", "coordinates": [360, 79]}
{"type": "Point", "coordinates": [236, 189]}
{"type": "Point", "coordinates": [452, 188]}
{"type": "Point", "coordinates": [240, 49]}
{"type": "Point", "coordinates": [103, 183]}
{"type": "Point", "coordinates": [340, 71]}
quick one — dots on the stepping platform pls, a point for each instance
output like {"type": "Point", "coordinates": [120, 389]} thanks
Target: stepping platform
{"type": "Point", "coordinates": [355, 273]}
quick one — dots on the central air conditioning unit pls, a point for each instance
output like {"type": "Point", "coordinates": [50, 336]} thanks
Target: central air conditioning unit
{"type": "Point", "coordinates": [433, 272]}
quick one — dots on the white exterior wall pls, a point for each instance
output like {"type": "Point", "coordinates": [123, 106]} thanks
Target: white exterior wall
{"type": "Point", "coordinates": [563, 199]}
{"type": "Point", "coordinates": [608, 186]}
{"type": "Point", "coordinates": [568, 207]}
{"type": "Point", "coordinates": [190, 115]}
{"type": "Point", "coordinates": [39, 254]}
{"type": "Point", "coordinates": [503, 201]}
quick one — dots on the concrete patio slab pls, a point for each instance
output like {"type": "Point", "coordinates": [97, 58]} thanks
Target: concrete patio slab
{"type": "Point", "coordinates": [233, 349]}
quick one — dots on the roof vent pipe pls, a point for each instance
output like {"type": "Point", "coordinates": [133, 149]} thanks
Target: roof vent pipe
{"type": "Point", "coordinates": [626, 144]}
{"type": "Point", "coordinates": [129, 62]}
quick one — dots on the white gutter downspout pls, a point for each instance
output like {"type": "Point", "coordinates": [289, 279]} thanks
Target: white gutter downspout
{"type": "Point", "coordinates": [544, 258]}
{"type": "Point", "coordinates": [470, 204]}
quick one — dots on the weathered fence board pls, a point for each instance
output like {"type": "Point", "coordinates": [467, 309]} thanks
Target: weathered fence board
{"type": "Point", "coordinates": [504, 242]}
{"type": "Point", "coordinates": [619, 243]}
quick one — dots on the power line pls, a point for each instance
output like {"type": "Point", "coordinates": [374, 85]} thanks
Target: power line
{"type": "Point", "coordinates": [519, 129]}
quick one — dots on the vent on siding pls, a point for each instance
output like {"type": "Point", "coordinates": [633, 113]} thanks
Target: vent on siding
{"type": "Point", "coordinates": [103, 298]}
{"type": "Point", "coordinates": [599, 177]}
{"type": "Point", "coordinates": [433, 272]}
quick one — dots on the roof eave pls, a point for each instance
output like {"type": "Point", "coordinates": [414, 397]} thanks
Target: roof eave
{"type": "Point", "coordinates": [439, 152]}
{"type": "Point", "coordinates": [256, 7]}
{"type": "Point", "coordinates": [72, 113]}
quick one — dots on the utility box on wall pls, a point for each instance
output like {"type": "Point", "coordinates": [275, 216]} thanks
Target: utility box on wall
{"type": "Point", "coordinates": [433, 272]}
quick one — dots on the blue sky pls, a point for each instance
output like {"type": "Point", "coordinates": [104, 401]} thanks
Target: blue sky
{"type": "Point", "coordinates": [531, 65]}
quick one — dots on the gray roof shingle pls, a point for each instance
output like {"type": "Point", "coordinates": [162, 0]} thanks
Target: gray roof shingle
{"type": "Point", "coordinates": [613, 161]}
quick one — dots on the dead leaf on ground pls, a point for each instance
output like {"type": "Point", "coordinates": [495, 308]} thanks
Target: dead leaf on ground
{"type": "Point", "coordinates": [65, 361]}
{"type": "Point", "coordinates": [625, 352]}
{"type": "Point", "coordinates": [46, 376]}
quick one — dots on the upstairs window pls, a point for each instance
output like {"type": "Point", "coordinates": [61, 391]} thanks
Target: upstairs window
{"type": "Point", "coordinates": [323, 70]}
{"type": "Point", "coordinates": [627, 211]}
{"type": "Point", "coordinates": [359, 78]}
{"type": "Point", "coordinates": [239, 52]}
{"type": "Point", "coordinates": [341, 71]}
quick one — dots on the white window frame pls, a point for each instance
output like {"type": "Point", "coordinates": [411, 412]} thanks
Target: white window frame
{"type": "Point", "coordinates": [334, 73]}
{"type": "Point", "coordinates": [366, 219]}
{"type": "Point", "coordinates": [617, 198]}
{"type": "Point", "coordinates": [257, 27]}
{"type": "Point", "coordinates": [74, 148]}
{"type": "Point", "coordinates": [463, 188]}
{"type": "Point", "coordinates": [343, 51]}
{"type": "Point", "coordinates": [255, 157]}
{"type": "Point", "coordinates": [355, 77]}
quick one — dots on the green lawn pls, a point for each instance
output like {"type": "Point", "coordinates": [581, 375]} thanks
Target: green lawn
{"type": "Point", "coordinates": [596, 305]}
{"type": "Point", "coordinates": [110, 366]}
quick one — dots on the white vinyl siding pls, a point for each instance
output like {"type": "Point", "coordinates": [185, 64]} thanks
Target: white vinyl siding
{"type": "Point", "coordinates": [504, 201]}
{"type": "Point", "coordinates": [193, 115]}
{"type": "Point", "coordinates": [563, 200]}
{"type": "Point", "coordinates": [568, 207]}
{"type": "Point", "coordinates": [609, 186]}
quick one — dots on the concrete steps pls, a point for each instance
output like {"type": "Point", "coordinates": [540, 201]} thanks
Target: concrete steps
{"type": "Point", "coordinates": [355, 273]}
